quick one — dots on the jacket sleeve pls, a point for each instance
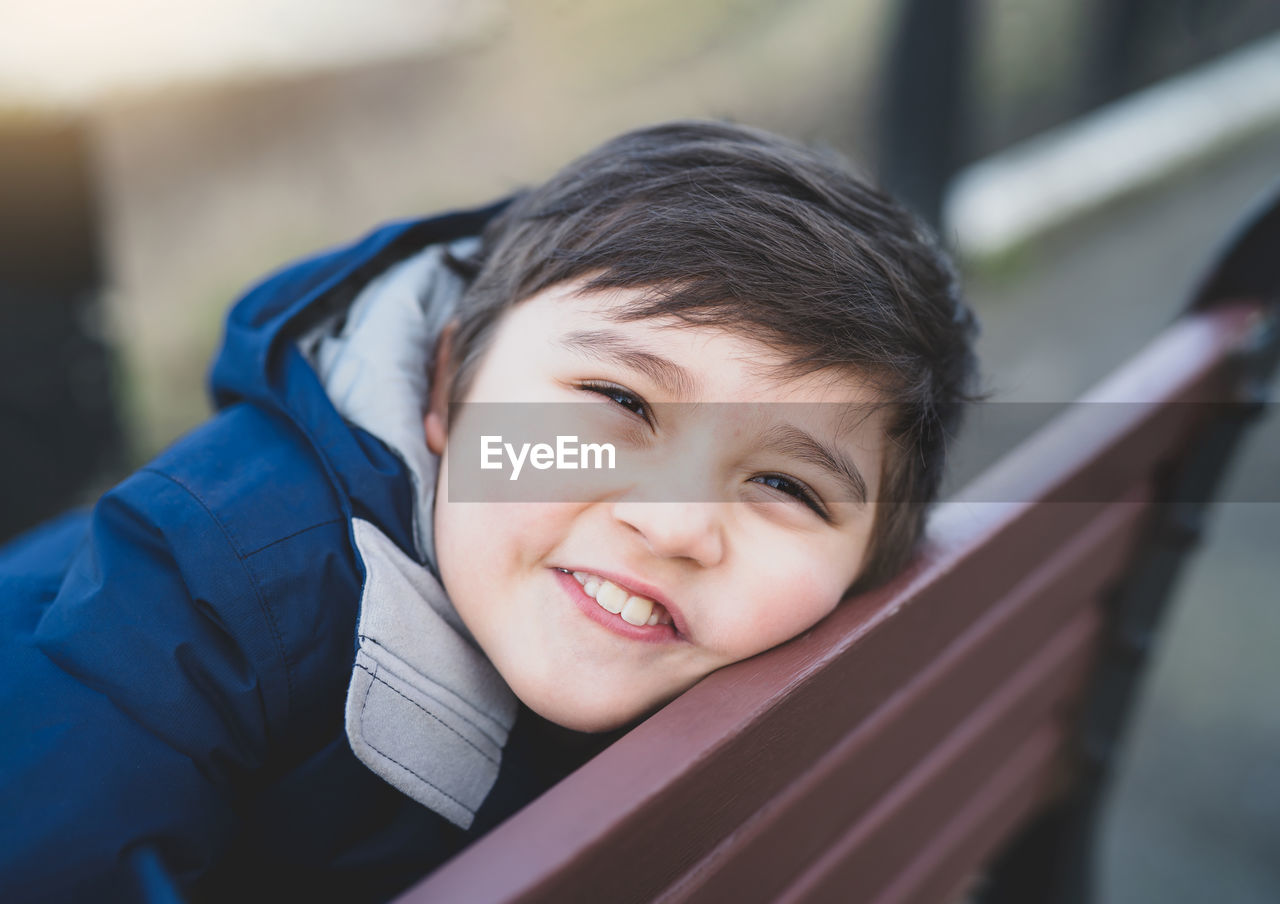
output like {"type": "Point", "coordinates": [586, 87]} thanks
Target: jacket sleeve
{"type": "Point", "coordinates": [139, 682]}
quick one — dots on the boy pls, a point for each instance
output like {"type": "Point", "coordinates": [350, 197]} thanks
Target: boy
{"type": "Point", "coordinates": [295, 653]}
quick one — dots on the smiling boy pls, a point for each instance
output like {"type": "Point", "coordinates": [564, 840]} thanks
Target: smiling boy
{"type": "Point", "coordinates": [307, 651]}
{"type": "Point", "coordinates": [728, 578]}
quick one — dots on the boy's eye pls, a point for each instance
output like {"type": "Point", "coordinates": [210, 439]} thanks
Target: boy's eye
{"type": "Point", "coordinates": [633, 403]}
{"type": "Point", "coordinates": [620, 396]}
{"type": "Point", "coordinates": [793, 487]}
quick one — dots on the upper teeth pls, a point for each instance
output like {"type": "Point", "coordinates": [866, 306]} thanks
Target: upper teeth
{"type": "Point", "coordinates": [636, 610]}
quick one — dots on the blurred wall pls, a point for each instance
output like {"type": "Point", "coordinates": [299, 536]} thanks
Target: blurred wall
{"type": "Point", "coordinates": [207, 189]}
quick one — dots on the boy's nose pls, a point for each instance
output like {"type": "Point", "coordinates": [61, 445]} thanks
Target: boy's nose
{"type": "Point", "coordinates": [692, 530]}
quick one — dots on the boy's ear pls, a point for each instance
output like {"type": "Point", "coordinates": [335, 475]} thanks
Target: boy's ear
{"type": "Point", "coordinates": [437, 419]}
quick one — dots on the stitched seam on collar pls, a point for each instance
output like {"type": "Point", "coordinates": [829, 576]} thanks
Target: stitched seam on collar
{"type": "Point", "coordinates": [382, 753]}
{"type": "Point", "coordinates": [470, 743]}
{"type": "Point", "coordinates": [480, 728]}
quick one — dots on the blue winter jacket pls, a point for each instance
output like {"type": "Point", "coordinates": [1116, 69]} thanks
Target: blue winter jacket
{"type": "Point", "coordinates": [174, 664]}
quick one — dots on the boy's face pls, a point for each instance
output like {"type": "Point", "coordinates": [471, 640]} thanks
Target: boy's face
{"type": "Point", "coordinates": [730, 578]}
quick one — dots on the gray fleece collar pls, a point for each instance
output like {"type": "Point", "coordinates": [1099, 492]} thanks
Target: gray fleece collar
{"type": "Point", "coordinates": [426, 711]}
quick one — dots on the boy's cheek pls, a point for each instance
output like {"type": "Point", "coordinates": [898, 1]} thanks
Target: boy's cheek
{"type": "Point", "coordinates": [796, 601]}
{"type": "Point", "coordinates": [486, 533]}
{"type": "Point", "coordinates": [777, 628]}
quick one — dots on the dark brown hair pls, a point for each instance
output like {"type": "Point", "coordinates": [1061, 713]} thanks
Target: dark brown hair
{"type": "Point", "coordinates": [736, 228]}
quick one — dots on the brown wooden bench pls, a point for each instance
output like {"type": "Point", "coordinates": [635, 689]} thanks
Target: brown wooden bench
{"type": "Point", "coordinates": [891, 753]}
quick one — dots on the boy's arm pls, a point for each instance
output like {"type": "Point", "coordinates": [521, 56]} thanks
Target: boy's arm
{"type": "Point", "coordinates": [138, 690]}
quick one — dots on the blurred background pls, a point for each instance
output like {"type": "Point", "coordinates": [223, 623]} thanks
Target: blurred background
{"type": "Point", "coordinates": [1084, 158]}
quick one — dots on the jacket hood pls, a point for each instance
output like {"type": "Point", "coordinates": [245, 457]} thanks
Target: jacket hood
{"type": "Point", "coordinates": [262, 361]}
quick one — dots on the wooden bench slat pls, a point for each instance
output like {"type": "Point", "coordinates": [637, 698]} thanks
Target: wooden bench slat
{"type": "Point", "coordinates": [1136, 416]}
{"type": "Point", "coordinates": [863, 863]}
{"type": "Point", "coordinates": [943, 870]}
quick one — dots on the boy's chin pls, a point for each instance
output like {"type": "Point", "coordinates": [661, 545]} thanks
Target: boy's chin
{"type": "Point", "coordinates": [590, 716]}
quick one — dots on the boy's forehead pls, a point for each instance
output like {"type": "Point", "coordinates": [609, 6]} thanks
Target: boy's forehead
{"type": "Point", "coordinates": [695, 363]}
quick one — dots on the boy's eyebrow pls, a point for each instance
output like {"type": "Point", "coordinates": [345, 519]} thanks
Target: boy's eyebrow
{"type": "Point", "coordinates": [788, 439]}
{"type": "Point", "coordinates": [610, 346]}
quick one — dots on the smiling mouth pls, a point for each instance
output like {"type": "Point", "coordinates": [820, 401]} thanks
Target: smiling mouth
{"type": "Point", "coordinates": [634, 610]}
